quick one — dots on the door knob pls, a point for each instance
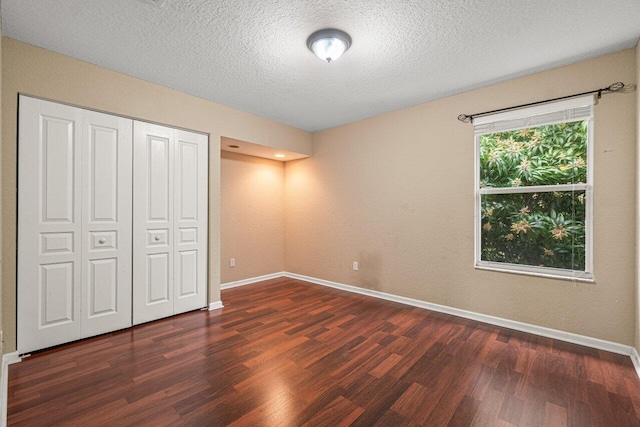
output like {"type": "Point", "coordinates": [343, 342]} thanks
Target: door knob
{"type": "Point", "coordinates": [157, 238]}
{"type": "Point", "coordinates": [101, 241]}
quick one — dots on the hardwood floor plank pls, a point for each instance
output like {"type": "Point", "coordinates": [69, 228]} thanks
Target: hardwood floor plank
{"type": "Point", "coordinates": [410, 404]}
{"type": "Point", "coordinates": [634, 396]}
{"type": "Point", "coordinates": [376, 396]}
{"type": "Point", "coordinates": [285, 352]}
{"type": "Point", "coordinates": [511, 409]}
{"type": "Point", "coordinates": [555, 415]}
{"type": "Point", "coordinates": [489, 409]}
{"type": "Point", "coordinates": [340, 412]}
{"type": "Point", "coordinates": [392, 419]}
{"type": "Point", "coordinates": [383, 367]}
{"type": "Point", "coordinates": [464, 413]}
{"type": "Point", "coordinates": [277, 411]}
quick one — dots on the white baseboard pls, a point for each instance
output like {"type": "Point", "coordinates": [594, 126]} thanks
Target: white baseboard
{"type": "Point", "coordinates": [635, 359]}
{"type": "Point", "coordinates": [251, 280]}
{"type": "Point", "coordinates": [11, 358]}
{"type": "Point", "coordinates": [7, 359]}
{"type": "Point", "coordinates": [505, 323]}
{"type": "Point", "coordinates": [215, 305]}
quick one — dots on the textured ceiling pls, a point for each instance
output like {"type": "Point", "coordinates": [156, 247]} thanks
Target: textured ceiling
{"type": "Point", "coordinates": [252, 55]}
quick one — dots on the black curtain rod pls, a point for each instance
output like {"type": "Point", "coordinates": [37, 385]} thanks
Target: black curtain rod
{"type": "Point", "coordinates": [615, 87]}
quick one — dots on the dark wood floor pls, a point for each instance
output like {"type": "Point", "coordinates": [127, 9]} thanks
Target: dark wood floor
{"type": "Point", "coordinates": [285, 352]}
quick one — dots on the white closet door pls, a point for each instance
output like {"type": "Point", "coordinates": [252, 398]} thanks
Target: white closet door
{"type": "Point", "coordinates": [190, 221]}
{"type": "Point", "coordinates": [106, 218]}
{"type": "Point", "coordinates": [152, 222]}
{"type": "Point", "coordinates": [49, 224]}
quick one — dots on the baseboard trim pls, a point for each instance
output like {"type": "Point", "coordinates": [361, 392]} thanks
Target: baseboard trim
{"type": "Point", "coordinates": [7, 359]}
{"type": "Point", "coordinates": [497, 321]}
{"type": "Point", "coordinates": [635, 359]}
{"type": "Point", "coordinates": [215, 305]}
{"type": "Point", "coordinates": [11, 358]}
{"type": "Point", "coordinates": [251, 280]}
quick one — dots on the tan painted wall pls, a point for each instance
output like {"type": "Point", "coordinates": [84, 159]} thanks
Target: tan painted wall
{"type": "Point", "coordinates": [396, 193]}
{"type": "Point", "coordinates": [252, 216]}
{"type": "Point", "coordinates": [39, 72]}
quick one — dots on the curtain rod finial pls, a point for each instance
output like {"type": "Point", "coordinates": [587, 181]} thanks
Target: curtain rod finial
{"type": "Point", "coordinates": [464, 118]}
{"type": "Point", "coordinates": [615, 87]}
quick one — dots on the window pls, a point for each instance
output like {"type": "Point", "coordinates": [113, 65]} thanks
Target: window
{"type": "Point", "coordinates": [534, 190]}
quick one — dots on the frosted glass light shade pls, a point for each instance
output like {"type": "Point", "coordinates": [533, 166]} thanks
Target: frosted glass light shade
{"type": "Point", "coordinates": [329, 44]}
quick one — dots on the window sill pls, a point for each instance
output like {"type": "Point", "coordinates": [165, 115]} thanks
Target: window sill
{"type": "Point", "coordinates": [523, 270]}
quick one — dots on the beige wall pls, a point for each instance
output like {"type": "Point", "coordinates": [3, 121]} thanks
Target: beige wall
{"type": "Point", "coordinates": [42, 73]}
{"type": "Point", "coordinates": [396, 193]}
{"type": "Point", "coordinates": [252, 216]}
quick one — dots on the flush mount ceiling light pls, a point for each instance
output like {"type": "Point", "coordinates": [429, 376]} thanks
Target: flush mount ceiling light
{"type": "Point", "coordinates": [329, 44]}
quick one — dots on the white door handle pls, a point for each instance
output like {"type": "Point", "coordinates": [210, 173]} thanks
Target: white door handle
{"type": "Point", "coordinates": [101, 241]}
{"type": "Point", "coordinates": [157, 238]}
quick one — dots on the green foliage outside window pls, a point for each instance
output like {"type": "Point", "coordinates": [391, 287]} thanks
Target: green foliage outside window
{"type": "Point", "coordinates": [537, 228]}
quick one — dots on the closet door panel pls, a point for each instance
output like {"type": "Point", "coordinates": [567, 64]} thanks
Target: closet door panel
{"type": "Point", "coordinates": [158, 278]}
{"type": "Point", "coordinates": [57, 293]}
{"type": "Point", "coordinates": [107, 219]}
{"type": "Point", "coordinates": [49, 224]}
{"type": "Point", "coordinates": [103, 289]}
{"type": "Point", "coordinates": [187, 274]}
{"type": "Point", "coordinates": [152, 222]}
{"type": "Point", "coordinates": [190, 224]}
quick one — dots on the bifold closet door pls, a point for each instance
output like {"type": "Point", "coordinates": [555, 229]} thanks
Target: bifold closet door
{"type": "Point", "coordinates": [106, 223]}
{"type": "Point", "coordinates": [152, 220]}
{"type": "Point", "coordinates": [190, 221]}
{"type": "Point", "coordinates": [74, 213]}
{"type": "Point", "coordinates": [169, 222]}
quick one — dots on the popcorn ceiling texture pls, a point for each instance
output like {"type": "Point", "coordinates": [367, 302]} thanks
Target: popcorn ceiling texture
{"type": "Point", "coordinates": [252, 55]}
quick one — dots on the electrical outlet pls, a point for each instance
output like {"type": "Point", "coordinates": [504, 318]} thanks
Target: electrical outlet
{"type": "Point", "coordinates": [355, 265]}
{"type": "Point", "coordinates": [232, 262]}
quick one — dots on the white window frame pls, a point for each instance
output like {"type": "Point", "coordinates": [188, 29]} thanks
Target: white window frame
{"type": "Point", "coordinates": [570, 110]}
